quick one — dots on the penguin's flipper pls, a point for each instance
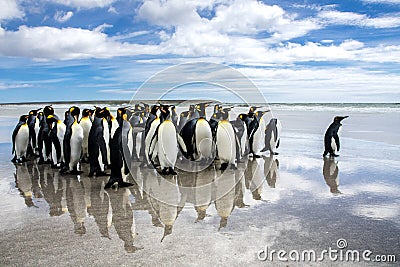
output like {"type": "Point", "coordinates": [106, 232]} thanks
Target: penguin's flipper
{"type": "Point", "coordinates": [181, 143]}
{"type": "Point", "coordinates": [277, 144]}
{"type": "Point", "coordinates": [336, 137]}
{"type": "Point", "coordinates": [15, 132]}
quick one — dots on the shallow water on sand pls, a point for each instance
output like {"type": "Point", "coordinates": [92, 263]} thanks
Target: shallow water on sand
{"type": "Point", "coordinates": [293, 201]}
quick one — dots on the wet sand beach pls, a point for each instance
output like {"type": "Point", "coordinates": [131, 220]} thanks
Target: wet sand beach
{"type": "Point", "coordinates": [294, 201]}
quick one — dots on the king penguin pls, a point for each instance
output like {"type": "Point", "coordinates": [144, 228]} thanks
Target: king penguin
{"type": "Point", "coordinates": [256, 133]}
{"type": "Point", "coordinates": [272, 136]}
{"type": "Point", "coordinates": [118, 164]}
{"type": "Point", "coordinates": [164, 144]}
{"type": "Point", "coordinates": [57, 132]}
{"type": "Point", "coordinates": [73, 140]}
{"type": "Point", "coordinates": [97, 144]}
{"type": "Point", "coordinates": [33, 124]}
{"type": "Point", "coordinates": [44, 141]}
{"type": "Point", "coordinates": [86, 123]}
{"type": "Point", "coordinates": [151, 125]}
{"type": "Point", "coordinates": [198, 138]}
{"type": "Point", "coordinates": [331, 139]}
{"type": "Point", "coordinates": [226, 141]}
{"type": "Point", "coordinates": [20, 139]}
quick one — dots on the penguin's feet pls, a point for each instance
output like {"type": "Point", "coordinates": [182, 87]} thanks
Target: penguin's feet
{"type": "Point", "coordinates": [256, 156]}
{"type": "Point", "coordinates": [84, 160]}
{"type": "Point", "coordinates": [112, 181]}
{"type": "Point", "coordinates": [100, 173]}
{"type": "Point", "coordinates": [224, 166]}
{"type": "Point", "coordinates": [275, 153]}
{"type": "Point", "coordinates": [165, 171]}
{"type": "Point", "coordinates": [171, 171]}
{"type": "Point", "coordinates": [75, 172]}
{"type": "Point", "coordinates": [333, 155]}
{"type": "Point", "coordinates": [64, 171]}
{"type": "Point", "coordinates": [124, 184]}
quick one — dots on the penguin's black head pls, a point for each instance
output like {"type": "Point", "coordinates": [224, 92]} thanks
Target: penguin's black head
{"type": "Point", "coordinates": [102, 113]}
{"type": "Point", "coordinates": [192, 107]}
{"type": "Point", "coordinates": [216, 108]}
{"type": "Point", "coordinates": [34, 112]}
{"type": "Point", "coordinates": [242, 116]}
{"type": "Point", "coordinates": [225, 113]}
{"type": "Point", "coordinates": [154, 109]}
{"type": "Point", "coordinates": [48, 110]}
{"type": "Point", "coordinates": [138, 107]}
{"type": "Point", "coordinates": [184, 114]}
{"type": "Point", "coordinates": [259, 114]}
{"type": "Point", "coordinates": [340, 118]}
{"type": "Point", "coordinates": [253, 109]}
{"type": "Point", "coordinates": [50, 119]}
{"type": "Point", "coordinates": [96, 110]}
{"type": "Point", "coordinates": [23, 118]}
{"type": "Point", "coordinates": [40, 115]}
{"type": "Point", "coordinates": [75, 111]}
{"type": "Point", "coordinates": [164, 111]}
{"type": "Point", "coordinates": [87, 112]}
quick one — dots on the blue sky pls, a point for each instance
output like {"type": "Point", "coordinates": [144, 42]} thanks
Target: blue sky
{"type": "Point", "coordinates": [294, 51]}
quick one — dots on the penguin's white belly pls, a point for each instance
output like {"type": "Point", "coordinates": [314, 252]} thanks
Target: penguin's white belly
{"type": "Point", "coordinates": [243, 141]}
{"type": "Point", "coordinates": [86, 125]}
{"type": "Point", "coordinates": [203, 139]}
{"type": "Point", "coordinates": [226, 145]}
{"type": "Point", "coordinates": [167, 144]}
{"type": "Point", "coordinates": [114, 126]}
{"type": "Point", "coordinates": [37, 128]}
{"type": "Point", "coordinates": [60, 135]}
{"type": "Point", "coordinates": [149, 136]}
{"type": "Point", "coordinates": [130, 142]}
{"type": "Point", "coordinates": [21, 141]}
{"type": "Point", "coordinates": [76, 145]}
{"type": "Point", "coordinates": [333, 145]}
{"type": "Point", "coordinates": [258, 138]}
{"type": "Point", "coordinates": [272, 143]}
{"type": "Point", "coordinates": [106, 136]}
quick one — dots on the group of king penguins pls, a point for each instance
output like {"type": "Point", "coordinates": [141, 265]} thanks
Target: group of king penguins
{"type": "Point", "coordinates": [110, 142]}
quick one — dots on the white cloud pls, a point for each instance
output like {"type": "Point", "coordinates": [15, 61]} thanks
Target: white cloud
{"type": "Point", "coordinates": [47, 43]}
{"type": "Point", "coordinates": [10, 10]}
{"type": "Point", "coordinates": [224, 35]}
{"type": "Point", "coordinates": [382, 1]}
{"type": "Point", "coordinates": [361, 20]}
{"type": "Point", "coordinates": [5, 86]}
{"type": "Point", "coordinates": [84, 4]}
{"type": "Point", "coordinates": [62, 16]}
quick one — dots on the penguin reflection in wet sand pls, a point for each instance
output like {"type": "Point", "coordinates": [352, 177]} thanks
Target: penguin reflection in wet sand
{"type": "Point", "coordinates": [330, 172]}
{"type": "Point", "coordinates": [20, 139]}
{"type": "Point", "coordinates": [331, 139]}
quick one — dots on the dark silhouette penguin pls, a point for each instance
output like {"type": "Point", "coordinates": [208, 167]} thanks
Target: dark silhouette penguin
{"type": "Point", "coordinates": [331, 139]}
{"type": "Point", "coordinates": [118, 163]}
